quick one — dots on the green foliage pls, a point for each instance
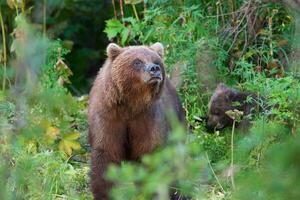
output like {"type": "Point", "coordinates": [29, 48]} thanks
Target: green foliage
{"type": "Point", "coordinates": [276, 175]}
{"type": "Point", "coordinates": [39, 134]}
{"type": "Point", "coordinates": [247, 44]}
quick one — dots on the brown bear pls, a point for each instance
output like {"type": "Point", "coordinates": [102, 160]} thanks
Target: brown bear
{"type": "Point", "coordinates": [127, 109]}
{"type": "Point", "coordinates": [225, 99]}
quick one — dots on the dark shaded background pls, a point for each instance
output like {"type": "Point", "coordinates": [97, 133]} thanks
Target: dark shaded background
{"type": "Point", "coordinates": [79, 24]}
{"type": "Point", "coordinates": [85, 28]}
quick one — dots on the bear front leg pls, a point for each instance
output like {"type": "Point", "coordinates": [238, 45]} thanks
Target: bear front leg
{"type": "Point", "coordinates": [99, 186]}
{"type": "Point", "coordinates": [107, 148]}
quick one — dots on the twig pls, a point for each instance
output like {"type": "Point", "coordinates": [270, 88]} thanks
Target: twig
{"type": "Point", "coordinates": [23, 7]}
{"type": "Point", "coordinates": [114, 7]}
{"type": "Point", "coordinates": [217, 19]}
{"type": "Point", "coordinates": [232, 7]}
{"type": "Point", "coordinates": [238, 26]}
{"type": "Point", "coordinates": [231, 164]}
{"type": "Point", "coordinates": [4, 51]}
{"type": "Point", "coordinates": [222, 14]}
{"type": "Point", "coordinates": [44, 17]}
{"type": "Point", "coordinates": [121, 8]}
{"type": "Point", "coordinates": [235, 37]}
{"type": "Point", "coordinates": [226, 14]}
{"type": "Point", "coordinates": [217, 179]}
{"type": "Point", "coordinates": [135, 12]}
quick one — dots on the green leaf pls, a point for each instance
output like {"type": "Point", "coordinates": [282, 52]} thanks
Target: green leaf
{"type": "Point", "coordinates": [124, 35]}
{"type": "Point", "coordinates": [113, 28]}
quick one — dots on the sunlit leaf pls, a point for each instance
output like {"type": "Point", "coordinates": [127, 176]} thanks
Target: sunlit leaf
{"type": "Point", "coordinates": [68, 143]}
{"type": "Point", "coordinates": [52, 132]}
{"type": "Point", "coordinates": [62, 67]}
{"type": "Point", "coordinates": [72, 136]}
{"type": "Point", "coordinates": [64, 71]}
{"type": "Point", "coordinates": [124, 35]}
{"type": "Point", "coordinates": [10, 3]}
{"type": "Point", "coordinates": [68, 146]}
{"type": "Point", "coordinates": [64, 147]}
{"type": "Point", "coordinates": [113, 28]}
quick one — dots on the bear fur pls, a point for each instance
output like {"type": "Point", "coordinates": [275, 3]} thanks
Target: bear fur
{"type": "Point", "coordinates": [127, 109]}
{"type": "Point", "coordinates": [225, 99]}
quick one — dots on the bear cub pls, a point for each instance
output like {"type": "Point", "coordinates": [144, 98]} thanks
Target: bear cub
{"type": "Point", "coordinates": [127, 109]}
{"type": "Point", "coordinates": [225, 99]}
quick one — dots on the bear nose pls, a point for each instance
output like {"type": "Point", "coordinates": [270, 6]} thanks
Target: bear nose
{"type": "Point", "coordinates": [154, 68]}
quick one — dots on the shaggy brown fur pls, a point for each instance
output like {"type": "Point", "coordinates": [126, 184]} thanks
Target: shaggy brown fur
{"type": "Point", "coordinates": [127, 106]}
{"type": "Point", "coordinates": [225, 99]}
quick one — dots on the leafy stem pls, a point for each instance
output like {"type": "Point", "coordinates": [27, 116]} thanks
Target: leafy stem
{"type": "Point", "coordinates": [236, 116]}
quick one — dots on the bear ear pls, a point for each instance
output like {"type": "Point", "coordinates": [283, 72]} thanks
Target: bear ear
{"type": "Point", "coordinates": [221, 87]}
{"type": "Point", "coordinates": [158, 48]}
{"type": "Point", "coordinates": [113, 50]}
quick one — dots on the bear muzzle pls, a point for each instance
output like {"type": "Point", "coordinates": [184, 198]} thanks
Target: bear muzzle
{"type": "Point", "coordinates": [154, 73]}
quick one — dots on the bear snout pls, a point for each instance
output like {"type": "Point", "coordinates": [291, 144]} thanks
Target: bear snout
{"type": "Point", "coordinates": [153, 69]}
{"type": "Point", "coordinates": [213, 122]}
{"type": "Point", "coordinates": [154, 72]}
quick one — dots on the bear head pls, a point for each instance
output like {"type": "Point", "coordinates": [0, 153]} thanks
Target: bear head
{"type": "Point", "coordinates": [220, 102]}
{"type": "Point", "coordinates": [137, 72]}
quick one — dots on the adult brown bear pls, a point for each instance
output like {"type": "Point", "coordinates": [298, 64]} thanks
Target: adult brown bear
{"type": "Point", "coordinates": [127, 109]}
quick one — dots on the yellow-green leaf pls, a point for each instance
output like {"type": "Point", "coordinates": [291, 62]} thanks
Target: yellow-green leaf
{"type": "Point", "coordinates": [68, 146]}
{"type": "Point", "coordinates": [73, 144]}
{"type": "Point", "coordinates": [72, 136]}
{"type": "Point", "coordinates": [62, 146]}
{"type": "Point", "coordinates": [52, 132]}
{"type": "Point", "coordinates": [68, 143]}
{"type": "Point", "coordinates": [63, 68]}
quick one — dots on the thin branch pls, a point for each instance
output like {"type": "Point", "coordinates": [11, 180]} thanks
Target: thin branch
{"type": "Point", "coordinates": [122, 10]}
{"type": "Point", "coordinates": [231, 164]}
{"type": "Point", "coordinates": [4, 51]}
{"type": "Point", "coordinates": [114, 7]}
{"type": "Point", "coordinates": [135, 12]}
{"type": "Point", "coordinates": [217, 179]}
{"type": "Point", "coordinates": [44, 17]}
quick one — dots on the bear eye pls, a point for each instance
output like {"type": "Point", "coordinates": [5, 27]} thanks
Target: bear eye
{"type": "Point", "coordinates": [157, 63]}
{"type": "Point", "coordinates": [137, 63]}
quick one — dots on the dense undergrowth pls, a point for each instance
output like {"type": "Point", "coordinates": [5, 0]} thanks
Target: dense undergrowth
{"type": "Point", "coordinates": [249, 45]}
